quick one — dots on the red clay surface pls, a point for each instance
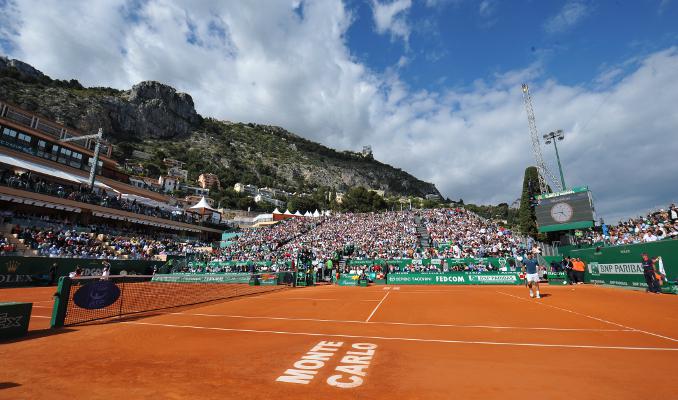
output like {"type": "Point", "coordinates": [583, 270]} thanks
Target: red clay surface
{"type": "Point", "coordinates": [432, 342]}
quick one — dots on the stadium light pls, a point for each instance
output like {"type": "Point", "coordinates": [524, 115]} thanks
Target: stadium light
{"type": "Point", "coordinates": [554, 137]}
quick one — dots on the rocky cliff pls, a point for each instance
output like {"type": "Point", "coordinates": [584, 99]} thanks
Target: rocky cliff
{"type": "Point", "coordinates": [154, 118]}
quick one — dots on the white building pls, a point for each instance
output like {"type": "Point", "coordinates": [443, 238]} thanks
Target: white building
{"type": "Point", "coordinates": [266, 199]}
{"type": "Point", "coordinates": [168, 183]}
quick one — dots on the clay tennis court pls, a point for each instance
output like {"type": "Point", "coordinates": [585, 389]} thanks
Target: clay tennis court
{"type": "Point", "coordinates": [397, 342]}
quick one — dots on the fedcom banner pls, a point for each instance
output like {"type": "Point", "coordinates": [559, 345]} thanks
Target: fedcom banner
{"type": "Point", "coordinates": [460, 278]}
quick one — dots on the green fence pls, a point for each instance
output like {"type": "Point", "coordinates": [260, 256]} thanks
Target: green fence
{"type": "Point", "coordinates": [228, 277]}
{"type": "Point", "coordinates": [621, 265]}
{"type": "Point", "coordinates": [203, 264]}
{"type": "Point", "coordinates": [273, 278]}
{"type": "Point", "coordinates": [34, 271]}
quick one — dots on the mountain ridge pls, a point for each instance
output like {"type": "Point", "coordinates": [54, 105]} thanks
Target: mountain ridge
{"type": "Point", "coordinates": [157, 119]}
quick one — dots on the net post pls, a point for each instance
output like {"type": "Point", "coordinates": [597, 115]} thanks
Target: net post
{"type": "Point", "coordinates": [122, 297]}
{"type": "Point", "coordinates": [60, 302]}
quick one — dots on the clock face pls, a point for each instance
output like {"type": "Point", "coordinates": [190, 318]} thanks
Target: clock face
{"type": "Point", "coordinates": [561, 212]}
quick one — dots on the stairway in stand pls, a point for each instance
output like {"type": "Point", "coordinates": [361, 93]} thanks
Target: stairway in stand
{"type": "Point", "coordinates": [424, 238]}
{"type": "Point", "coordinates": [21, 247]}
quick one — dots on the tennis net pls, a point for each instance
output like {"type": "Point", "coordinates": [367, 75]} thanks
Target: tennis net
{"type": "Point", "coordinates": [87, 299]}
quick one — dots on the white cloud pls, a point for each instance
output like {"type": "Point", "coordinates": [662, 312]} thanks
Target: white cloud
{"type": "Point", "coordinates": [569, 16]}
{"type": "Point", "coordinates": [244, 62]}
{"type": "Point", "coordinates": [486, 8]}
{"type": "Point", "coordinates": [391, 17]}
{"type": "Point", "coordinates": [663, 5]}
{"type": "Point", "coordinates": [441, 3]}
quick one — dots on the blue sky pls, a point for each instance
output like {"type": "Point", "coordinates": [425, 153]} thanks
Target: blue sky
{"type": "Point", "coordinates": [432, 85]}
{"type": "Point", "coordinates": [454, 43]}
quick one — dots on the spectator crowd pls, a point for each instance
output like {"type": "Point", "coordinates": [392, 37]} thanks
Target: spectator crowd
{"type": "Point", "coordinates": [657, 225]}
{"type": "Point", "coordinates": [79, 242]}
{"type": "Point", "coordinates": [103, 198]}
{"type": "Point", "coordinates": [457, 233]}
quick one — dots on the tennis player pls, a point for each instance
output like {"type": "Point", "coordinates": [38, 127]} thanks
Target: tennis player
{"type": "Point", "coordinates": [531, 268]}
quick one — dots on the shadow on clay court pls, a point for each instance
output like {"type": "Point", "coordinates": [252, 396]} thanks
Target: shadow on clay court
{"type": "Point", "coordinates": [8, 385]}
{"type": "Point", "coordinates": [37, 334]}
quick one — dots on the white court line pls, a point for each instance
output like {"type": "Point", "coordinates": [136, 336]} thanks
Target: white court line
{"type": "Point", "coordinates": [594, 318]}
{"type": "Point", "coordinates": [573, 346]}
{"type": "Point", "coordinates": [34, 306]}
{"type": "Point", "coordinates": [377, 307]}
{"type": "Point", "coordinates": [39, 316]}
{"type": "Point", "coordinates": [304, 298]}
{"type": "Point", "coordinates": [29, 301]}
{"type": "Point", "coordinates": [401, 323]}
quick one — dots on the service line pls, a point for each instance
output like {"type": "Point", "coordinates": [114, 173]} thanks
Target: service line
{"type": "Point", "coordinates": [400, 323]}
{"type": "Point", "coordinates": [566, 346]}
{"type": "Point", "coordinates": [305, 298]}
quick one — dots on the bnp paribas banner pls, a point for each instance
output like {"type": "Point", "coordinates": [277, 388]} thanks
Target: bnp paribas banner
{"type": "Point", "coordinates": [620, 274]}
{"type": "Point", "coordinates": [623, 274]}
{"type": "Point", "coordinates": [458, 278]}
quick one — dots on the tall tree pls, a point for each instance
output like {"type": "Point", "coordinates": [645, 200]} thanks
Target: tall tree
{"type": "Point", "coordinates": [359, 199]}
{"type": "Point", "coordinates": [527, 219]}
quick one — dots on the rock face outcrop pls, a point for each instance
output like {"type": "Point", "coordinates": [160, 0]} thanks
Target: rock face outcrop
{"type": "Point", "coordinates": [149, 110]}
{"type": "Point", "coordinates": [152, 115]}
{"type": "Point", "coordinates": [157, 111]}
{"type": "Point", "coordinates": [24, 71]}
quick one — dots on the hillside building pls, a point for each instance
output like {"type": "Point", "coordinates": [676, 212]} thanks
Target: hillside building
{"type": "Point", "coordinates": [207, 181]}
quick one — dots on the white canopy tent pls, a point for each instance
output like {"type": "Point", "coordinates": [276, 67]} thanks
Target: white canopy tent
{"type": "Point", "coordinates": [203, 209]}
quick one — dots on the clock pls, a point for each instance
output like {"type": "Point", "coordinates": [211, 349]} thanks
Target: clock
{"type": "Point", "coordinates": [561, 212]}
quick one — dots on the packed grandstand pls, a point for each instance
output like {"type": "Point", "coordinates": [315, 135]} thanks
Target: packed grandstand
{"type": "Point", "coordinates": [454, 233]}
{"type": "Point", "coordinates": [49, 210]}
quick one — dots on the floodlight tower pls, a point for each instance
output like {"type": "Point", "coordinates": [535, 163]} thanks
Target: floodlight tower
{"type": "Point", "coordinates": [554, 137]}
{"type": "Point", "coordinates": [98, 136]}
{"type": "Point", "coordinates": [542, 171]}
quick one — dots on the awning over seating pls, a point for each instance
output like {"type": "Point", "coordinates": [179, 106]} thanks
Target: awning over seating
{"type": "Point", "coordinates": [38, 203]}
{"type": "Point", "coordinates": [149, 202]}
{"type": "Point", "coordinates": [140, 221]}
{"type": "Point", "coordinates": [44, 170]}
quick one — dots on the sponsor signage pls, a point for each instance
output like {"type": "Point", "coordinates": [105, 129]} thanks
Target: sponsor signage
{"type": "Point", "coordinates": [458, 278]}
{"type": "Point", "coordinates": [616, 269]}
{"type": "Point", "coordinates": [14, 319]}
{"type": "Point", "coordinates": [236, 277]}
{"type": "Point", "coordinates": [96, 295]}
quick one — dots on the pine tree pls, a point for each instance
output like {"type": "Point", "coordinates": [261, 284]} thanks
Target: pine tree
{"type": "Point", "coordinates": [527, 219]}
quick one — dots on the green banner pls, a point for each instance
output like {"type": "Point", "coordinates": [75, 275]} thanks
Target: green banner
{"type": "Point", "coordinates": [34, 271]}
{"type": "Point", "coordinates": [352, 279]}
{"type": "Point", "coordinates": [621, 265]}
{"type": "Point", "coordinates": [455, 278]}
{"type": "Point", "coordinates": [235, 277]}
